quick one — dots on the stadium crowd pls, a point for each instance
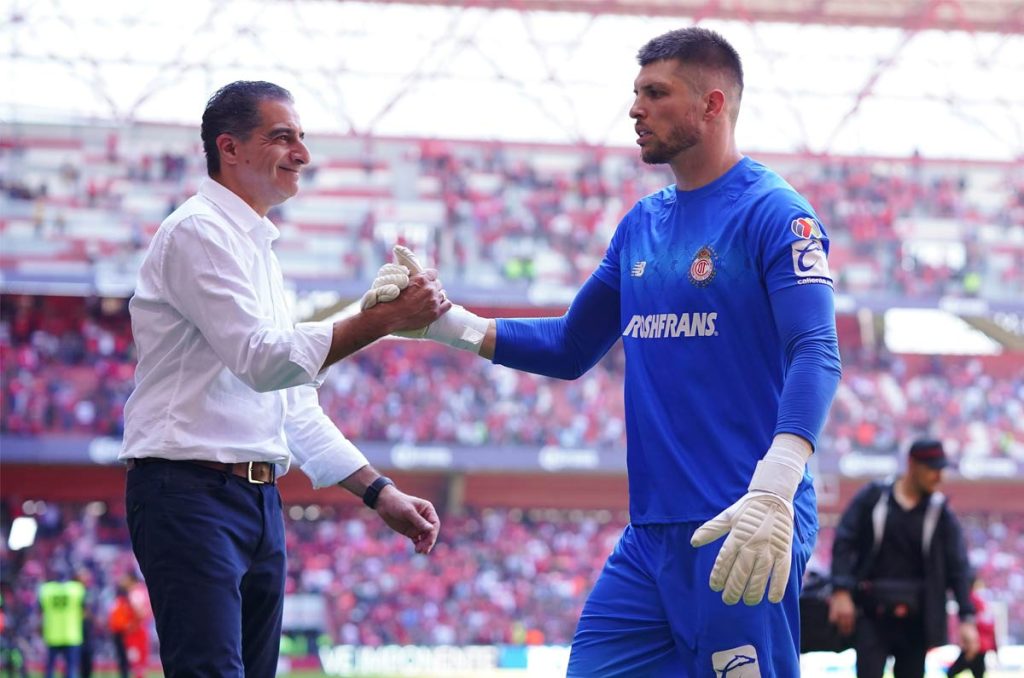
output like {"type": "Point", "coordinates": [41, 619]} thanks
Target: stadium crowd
{"type": "Point", "coordinates": [489, 215]}
{"type": "Point", "coordinates": [68, 367]}
{"type": "Point", "coordinates": [494, 214]}
{"type": "Point", "coordinates": [498, 576]}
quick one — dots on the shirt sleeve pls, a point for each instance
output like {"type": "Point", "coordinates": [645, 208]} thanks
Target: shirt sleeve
{"type": "Point", "coordinates": [609, 270]}
{"type": "Point", "coordinates": [959, 577]}
{"type": "Point", "coordinates": [321, 450]}
{"type": "Point", "coordinates": [805, 318]}
{"type": "Point", "coordinates": [206, 276]}
{"type": "Point", "coordinates": [795, 244]}
{"type": "Point", "coordinates": [795, 249]}
{"type": "Point", "coordinates": [567, 346]}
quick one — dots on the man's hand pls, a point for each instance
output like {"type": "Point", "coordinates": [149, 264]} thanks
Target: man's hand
{"type": "Point", "coordinates": [405, 258]}
{"type": "Point", "coordinates": [842, 612]}
{"type": "Point", "coordinates": [969, 641]}
{"type": "Point", "coordinates": [406, 301]}
{"type": "Point", "coordinates": [760, 528]}
{"type": "Point", "coordinates": [390, 281]}
{"type": "Point", "coordinates": [411, 516]}
{"type": "Point", "coordinates": [457, 327]}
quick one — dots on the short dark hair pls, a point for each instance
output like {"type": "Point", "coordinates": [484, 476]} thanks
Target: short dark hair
{"type": "Point", "coordinates": [235, 109]}
{"type": "Point", "coordinates": [695, 45]}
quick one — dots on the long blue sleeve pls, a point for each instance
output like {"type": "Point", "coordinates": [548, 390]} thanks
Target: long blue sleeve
{"type": "Point", "coordinates": [805, 317]}
{"type": "Point", "coordinates": [567, 346]}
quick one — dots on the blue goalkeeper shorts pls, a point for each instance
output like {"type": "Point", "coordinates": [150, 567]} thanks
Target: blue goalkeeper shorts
{"type": "Point", "coordinates": [652, 614]}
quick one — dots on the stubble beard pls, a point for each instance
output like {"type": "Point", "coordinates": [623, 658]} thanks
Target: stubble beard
{"type": "Point", "coordinates": [681, 139]}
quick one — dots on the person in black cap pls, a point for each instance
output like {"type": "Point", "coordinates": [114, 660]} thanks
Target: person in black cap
{"type": "Point", "coordinates": [898, 549]}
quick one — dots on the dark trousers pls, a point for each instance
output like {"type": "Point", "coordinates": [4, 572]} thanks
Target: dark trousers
{"type": "Point", "coordinates": [976, 665]}
{"type": "Point", "coordinates": [86, 659]}
{"type": "Point", "coordinates": [121, 654]}
{"type": "Point", "coordinates": [211, 549]}
{"type": "Point", "coordinates": [878, 639]}
{"type": "Point", "coordinates": [71, 658]}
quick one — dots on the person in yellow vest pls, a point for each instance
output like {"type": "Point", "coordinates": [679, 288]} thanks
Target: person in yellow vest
{"type": "Point", "coordinates": [63, 607]}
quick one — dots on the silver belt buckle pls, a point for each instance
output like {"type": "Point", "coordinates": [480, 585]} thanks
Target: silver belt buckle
{"type": "Point", "coordinates": [252, 480]}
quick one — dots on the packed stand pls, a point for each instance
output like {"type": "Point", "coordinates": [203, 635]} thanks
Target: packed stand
{"type": "Point", "coordinates": [499, 215]}
{"type": "Point", "coordinates": [66, 365]}
{"type": "Point", "coordinates": [497, 576]}
{"type": "Point", "coordinates": [974, 405]}
{"type": "Point", "coordinates": [68, 368]}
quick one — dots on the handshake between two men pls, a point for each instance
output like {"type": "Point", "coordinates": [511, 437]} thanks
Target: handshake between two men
{"type": "Point", "coordinates": [758, 528]}
{"type": "Point", "coordinates": [455, 327]}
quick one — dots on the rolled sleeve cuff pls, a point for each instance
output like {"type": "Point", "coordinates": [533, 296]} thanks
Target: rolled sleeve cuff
{"type": "Point", "coordinates": [844, 582]}
{"type": "Point", "coordinates": [331, 467]}
{"type": "Point", "coordinates": [311, 344]}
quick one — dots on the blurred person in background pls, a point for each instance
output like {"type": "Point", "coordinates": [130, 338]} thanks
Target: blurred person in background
{"type": "Point", "coordinates": [120, 623]}
{"type": "Point", "coordinates": [129, 626]}
{"type": "Point", "coordinates": [897, 550]}
{"type": "Point", "coordinates": [986, 638]}
{"type": "Point", "coordinates": [226, 395]}
{"type": "Point", "coordinates": [720, 290]}
{"type": "Point", "coordinates": [62, 603]}
{"type": "Point", "coordinates": [86, 656]}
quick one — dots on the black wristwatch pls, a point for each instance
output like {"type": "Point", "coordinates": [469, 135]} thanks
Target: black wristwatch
{"type": "Point", "coordinates": [373, 491]}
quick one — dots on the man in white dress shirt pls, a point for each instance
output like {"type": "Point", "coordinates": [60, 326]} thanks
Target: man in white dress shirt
{"type": "Point", "coordinates": [226, 397]}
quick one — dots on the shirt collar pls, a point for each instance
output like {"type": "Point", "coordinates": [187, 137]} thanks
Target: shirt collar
{"type": "Point", "coordinates": [237, 210]}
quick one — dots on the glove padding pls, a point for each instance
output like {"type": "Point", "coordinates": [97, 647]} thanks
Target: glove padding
{"type": "Point", "coordinates": [458, 327]}
{"type": "Point", "coordinates": [390, 281]}
{"type": "Point", "coordinates": [760, 527]}
{"type": "Point", "coordinates": [759, 547]}
{"type": "Point", "coordinates": [404, 258]}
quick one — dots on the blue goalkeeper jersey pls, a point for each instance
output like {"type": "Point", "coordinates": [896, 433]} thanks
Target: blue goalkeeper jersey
{"type": "Point", "coordinates": [705, 365]}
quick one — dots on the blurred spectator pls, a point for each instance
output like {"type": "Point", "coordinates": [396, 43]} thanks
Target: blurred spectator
{"type": "Point", "coordinates": [62, 602]}
{"type": "Point", "coordinates": [129, 626]}
{"type": "Point", "coordinates": [86, 656]}
{"type": "Point", "coordinates": [898, 551]}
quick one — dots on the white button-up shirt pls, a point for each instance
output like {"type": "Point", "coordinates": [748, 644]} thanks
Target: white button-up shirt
{"type": "Point", "coordinates": [223, 373]}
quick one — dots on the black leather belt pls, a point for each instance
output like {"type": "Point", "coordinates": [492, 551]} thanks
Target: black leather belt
{"type": "Point", "coordinates": [255, 472]}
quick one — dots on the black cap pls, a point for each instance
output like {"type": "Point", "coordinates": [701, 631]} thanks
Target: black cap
{"type": "Point", "coordinates": [929, 453]}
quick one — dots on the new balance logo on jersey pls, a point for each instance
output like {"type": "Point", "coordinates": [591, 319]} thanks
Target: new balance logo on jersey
{"type": "Point", "coordinates": [739, 662]}
{"type": "Point", "coordinates": [638, 269]}
{"type": "Point", "coordinates": [670, 325]}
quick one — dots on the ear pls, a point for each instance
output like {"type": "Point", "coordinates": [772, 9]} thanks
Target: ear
{"type": "Point", "coordinates": [715, 104]}
{"type": "Point", "coordinates": [227, 146]}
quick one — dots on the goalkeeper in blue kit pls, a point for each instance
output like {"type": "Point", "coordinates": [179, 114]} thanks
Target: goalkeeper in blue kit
{"type": "Point", "coordinates": [719, 288]}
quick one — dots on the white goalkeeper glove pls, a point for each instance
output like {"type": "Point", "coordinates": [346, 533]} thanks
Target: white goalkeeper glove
{"type": "Point", "coordinates": [390, 281]}
{"type": "Point", "coordinates": [760, 527]}
{"type": "Point", "coordinates": [458, 327]}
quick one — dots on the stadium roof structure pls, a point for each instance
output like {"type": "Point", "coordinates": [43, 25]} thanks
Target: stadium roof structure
{"type": "Point", "coordinates": [936, 78]}
{"type": "Point", "coordinates": [997, 16]}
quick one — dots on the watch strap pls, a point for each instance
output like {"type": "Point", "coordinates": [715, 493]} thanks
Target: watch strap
{"type": "Point", "coordinates": [373, 491]}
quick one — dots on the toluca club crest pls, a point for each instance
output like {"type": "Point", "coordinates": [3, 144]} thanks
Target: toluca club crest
{"type": "Point", "coordinates": [702, 269]}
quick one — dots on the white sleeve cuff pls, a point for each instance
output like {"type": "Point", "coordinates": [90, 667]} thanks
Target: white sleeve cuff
{"type": "Point", "coordinates": [310, 346]}
{"type": "Point", "coordinates": [331, 467]}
